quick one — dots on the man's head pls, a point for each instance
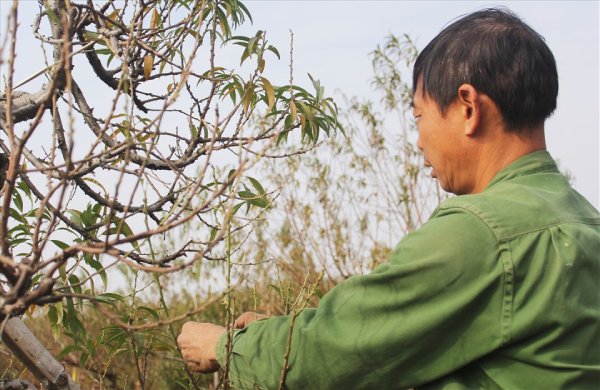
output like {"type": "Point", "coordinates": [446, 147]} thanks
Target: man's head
{"type": "Point", "coordinates": [482, 90]}
{"type": "Point", "coordinates": [499, 55]}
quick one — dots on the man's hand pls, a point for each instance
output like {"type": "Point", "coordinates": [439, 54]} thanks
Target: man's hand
{"type": "Point", "coordinates": [242, 321]}
{"type": "Point", "coordinates": [198, 344]}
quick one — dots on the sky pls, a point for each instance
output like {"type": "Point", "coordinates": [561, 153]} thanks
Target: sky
{"type": "Point", "coordinates": [333, 39]}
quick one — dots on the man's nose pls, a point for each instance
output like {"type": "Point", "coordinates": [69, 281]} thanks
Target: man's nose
{"type": "Point", "coordinates": [419, 144]}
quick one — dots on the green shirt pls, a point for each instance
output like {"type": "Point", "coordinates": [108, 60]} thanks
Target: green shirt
{"type": "Point", "coordinates": [497, 290]}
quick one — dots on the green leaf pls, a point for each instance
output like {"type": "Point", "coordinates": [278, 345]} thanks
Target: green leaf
{"type": "Point", "coordinates": [104, 52]}
{"type": "Point", "coordinates": [283, 136]}
{"type": "Point", "coordinates": [72, 322]}
{"type": "Point", "coordinates": [17, 216]}
{"type": "Point", "coordinates": [123, 228]}
{"type": "Point", "coordinates": [251, 44]}
{"type": "Point", "coordinates": [239, 38]}
{"type": "Point", "coordinates": [75, 283]}
{"type": "Point", "coordinates": [14, 243]}
{"type": "Point", "coordinates": [60, 244]}
{"type": "Point", "coordinates": [237, 207]}
{"type": "Point", "coordinates": [83, 359]}
{"type": "Point", "coordinates": [18, 200]}
{"type": "Point", "coordinates": [230, 176]}
{"type": "Point", "coordinates": [97, 266]}
{"type": "Point", "coordinates": [223, 23]}
{"type": "Point", "coordinates": [127, 230]}
{"type": "Point", "coordinates": [110, 298]}
{"type": "Point", "coordinates": [116, 334]}
{"type": "Point", "coordinates": [110, 58]}
{"type": "Point", "coordinates": [287, 123]}
{"type": "Point", "coordinates": [68, 349]}
{"type": "Point", "coordinates": [19, 230]}
{"type": "Point", "coordinates": [76, 217]}
{"type": "Point", "coordinates": [88, 217]}
{"type": "Point", "coordinates": [318, 88]}
{"type": "Point", "coordinates": [257, 185]}
{"type": "Point", "coordinates": [26, 190]}
{"type": "Point", "coordinates": [213, 233]}
{"type": "Point", "coordinates": [150, 311]}
{"type": "Point", "coordinates": [244, 11]}
{"type": "Point", "coordinates": [52, 315]}
{"type": "Point", "coordinates": [253, 199]}
{"type": "Point", "coordinates": [56, 313]}
{"type": "Point", "coordinates": [259, 202]}
{"type": "Point", "coordinates": [246, 194]}
{"type": "Point", "coordinates": [36, 278]}
{"type": "Point", "coordinates": [274, 50]}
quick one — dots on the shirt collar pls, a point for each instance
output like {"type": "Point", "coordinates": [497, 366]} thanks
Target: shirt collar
{"type": "Point", "coordinates": [535, 162]}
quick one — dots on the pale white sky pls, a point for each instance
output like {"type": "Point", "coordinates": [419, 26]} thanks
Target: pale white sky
{"type": "Point", "coordinates": [332, 40]}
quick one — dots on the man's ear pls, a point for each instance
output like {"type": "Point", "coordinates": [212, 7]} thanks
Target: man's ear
{"type": "Point", "coordinates": [470, 105]}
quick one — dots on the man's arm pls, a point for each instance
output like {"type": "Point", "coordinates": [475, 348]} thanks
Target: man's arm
{"type": "Point", "coordinates": [434, 307]}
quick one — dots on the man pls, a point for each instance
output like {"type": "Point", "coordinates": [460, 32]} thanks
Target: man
{"type": "Point", "coordinates": [499, 289]}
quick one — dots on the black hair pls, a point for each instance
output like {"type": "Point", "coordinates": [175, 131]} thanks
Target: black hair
{"type": "Point", "coordinates": [500, 56]}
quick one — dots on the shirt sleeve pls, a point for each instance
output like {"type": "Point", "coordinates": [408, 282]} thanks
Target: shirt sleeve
{"type": "Point", "coordinates": [433, 308]}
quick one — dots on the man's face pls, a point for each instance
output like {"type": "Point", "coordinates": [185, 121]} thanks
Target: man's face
{"type": "Point", "coordinates": [441, 139]}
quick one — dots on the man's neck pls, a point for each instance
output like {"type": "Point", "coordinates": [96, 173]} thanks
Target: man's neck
{"type": "Point", "coordinates": [492, 159]}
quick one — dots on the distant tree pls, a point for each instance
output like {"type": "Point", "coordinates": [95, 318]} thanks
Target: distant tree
{"type": "Point", "coordinates": [342, 207]}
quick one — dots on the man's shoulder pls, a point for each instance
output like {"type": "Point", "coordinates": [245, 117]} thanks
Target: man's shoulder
{"type": "Point", "coordinates": [517, 207]}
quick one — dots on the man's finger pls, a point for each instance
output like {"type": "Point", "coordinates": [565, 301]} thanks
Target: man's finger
{"type": "Point", "coordinates": [247, 318]}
